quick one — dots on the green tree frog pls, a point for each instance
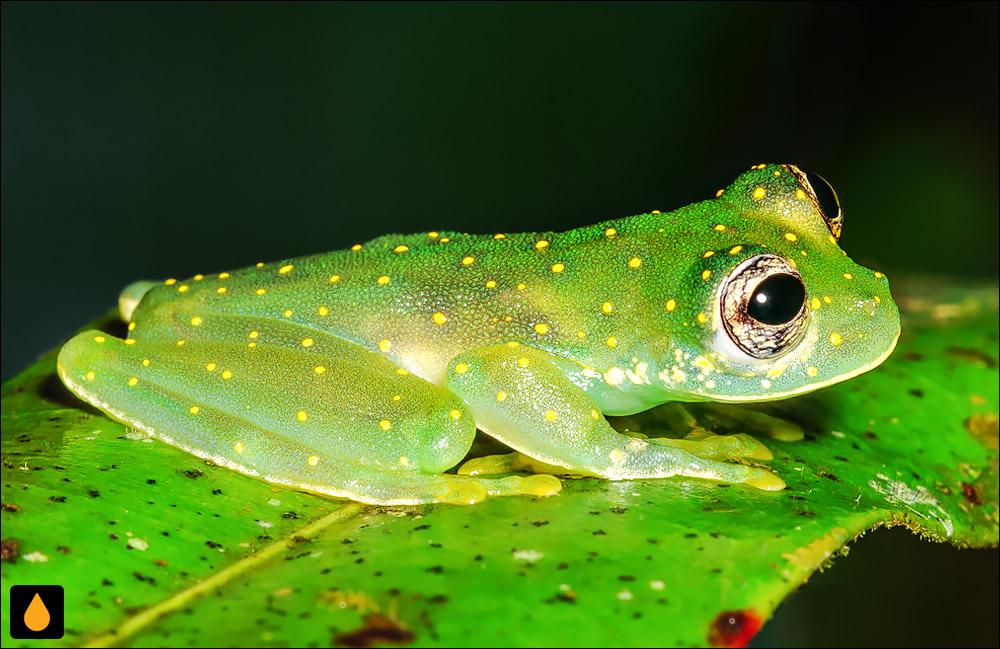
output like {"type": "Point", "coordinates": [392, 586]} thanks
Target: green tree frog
{"type": "Point", "coordinates": [365, 373]}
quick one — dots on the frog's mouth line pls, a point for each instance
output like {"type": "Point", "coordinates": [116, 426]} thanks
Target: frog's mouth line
{"type": "Point", "coordinates": [773, 396]}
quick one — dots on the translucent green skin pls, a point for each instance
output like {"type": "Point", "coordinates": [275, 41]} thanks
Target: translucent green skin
{"type": "Point", "coordinates": [365, 373]}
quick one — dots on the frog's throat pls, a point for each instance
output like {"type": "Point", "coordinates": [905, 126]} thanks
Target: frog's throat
{"type": "Point", "coordinates": [812, 386]}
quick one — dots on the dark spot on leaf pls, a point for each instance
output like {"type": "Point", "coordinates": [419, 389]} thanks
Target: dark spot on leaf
{"type": "Point", "coordinates": [193, 474]}
{"type": "Point", "coordinates": [562, 566]}
{"type": "Point", "coordinates": [420, 527]}
{"type": "Point", "coordinates": [107, 582]}
{"type": "Point", "coordinates": [626, 578]}
{"type": "Point", "coordinates": [57, 499]}
{"type": "Point", "coordinates": [213, 545]}
{"type": "Point", "coordinates": [733, 628]}
{"type": "Point", "coordinates": [478, 557]}
{"type": "Point", "coordinates": [540, 523]}
{"type": "Point", "coordinates": [160, 562]}
{"type": "Point", "coordinates": [841, 458]}
{"type": "Point", "coordinates": [619, 510]}
{"type": "Point", "coordinates": [599, 533]}
{"type": "Point", "coordinates": [794, 497]}
{"type": "Point", "coordinates": [216, 492]}
{"type": "Point", "coordinates": [691, 535]}
{"type": "Point", "coordinates": [94, 493]}
{"type": "Point", "coordinates": [437, 570]}
{"type": "Point", "coordinates": [917, 393]}
{"type": "Point", "coordinates": [438, 599]}
{"type": "Point", "coordinates": [63, 549]}
{"type": "Point", "coordinates": [830, 476]}
{"type": "Point", "coordinates": [113, 537]}
{"type": "Point", "coordinates": [289, 515]}
{"type": "Point", "coordinates": [972, 355]}
{"type": "Point", "coordinates": [141, 577]}
{"type": "Point", "coordinates": [378, 628]}
{"type": "Point", "coordinates": [10, 550]}
{"type": "Point", "coordinates": [869, 435]}
{"type": "Point", "coordinates": [150, 481]}
{"type": "Point", "coordinates": [911, 355]}
{"type": "Point", "coordinates": [11, 508]}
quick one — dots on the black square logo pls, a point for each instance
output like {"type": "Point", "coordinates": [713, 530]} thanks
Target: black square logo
{"type": "Point", "coordinates": [36, 612]}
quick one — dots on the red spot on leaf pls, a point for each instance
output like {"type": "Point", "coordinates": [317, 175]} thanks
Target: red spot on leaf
{"type": "Point", "coordinates": [734, 628]}
{"type": "Point", "coordinates": [970, 493]}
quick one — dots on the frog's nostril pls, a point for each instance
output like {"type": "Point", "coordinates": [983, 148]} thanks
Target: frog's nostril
{"type": "Point", "coordinates": [870, 307]}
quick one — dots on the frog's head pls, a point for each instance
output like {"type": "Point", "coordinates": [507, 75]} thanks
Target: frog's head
{"type": "Point", "coordinates": [779, 309]}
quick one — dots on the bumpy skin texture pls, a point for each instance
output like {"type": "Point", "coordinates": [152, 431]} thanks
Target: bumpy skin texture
{"type": "Point", "coordinates": [364, 373]}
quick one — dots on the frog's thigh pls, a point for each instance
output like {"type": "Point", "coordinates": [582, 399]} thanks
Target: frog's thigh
{"type": "Point", "coordinates": [367, 431]}
{"type": "Point", "coordinates": [520, 397]}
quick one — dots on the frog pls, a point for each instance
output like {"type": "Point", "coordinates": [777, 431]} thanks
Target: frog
{"type": "Point", "coordinates": [365, 373]}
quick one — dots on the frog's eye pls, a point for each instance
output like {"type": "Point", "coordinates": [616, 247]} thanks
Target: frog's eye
{"type": "Point", "coordinates": [763, 306]}
{"type": "Point", "coordinates": [821, 193]}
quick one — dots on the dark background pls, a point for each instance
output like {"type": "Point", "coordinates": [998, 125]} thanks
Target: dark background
{"type": "Point", "coordinates": [156, 140]}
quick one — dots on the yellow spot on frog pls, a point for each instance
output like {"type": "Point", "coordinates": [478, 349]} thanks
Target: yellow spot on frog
{"type": "Point", "coordinates": [461, 368]}
{"type": "Point", "coordinates": [610, 233]}
{"type": "Point", "coordinates": [313, 460]}
{"type": "Point", "coordinates": [383, 280]}
{"type": "Point", "coordinates": [145, 362]}
{"type": "Point", "coordinates": [812, 371]}
{"type": "Point", "coordinates": [827, 300]}
{"type": "Point", "coordinates": [170, 282]}
{"type": "Point", "coordinates": [90, 376]}
{"type": "Point", "coordinates": [594, 414]}
{"type": "Point", "coordinates": [791, 236]}
{"type": "Point", "coordinates": [439, 318]}
{"type": "Point", "coordinates": [288, 313]}
{"type": "Point", "coordinates": [720, 193]}
{"type": "Point", "coordinates": [541, 245]}
{"type": "Point", "coordinates": [836, 339]}
{"type": "Point", "coordinates": [498, 236]}
{"type": "Point", "coordinates": [129, 341]}
{"type": "Point", "coordinates": [307, 342]}
{"type": "Point", "coordinates": [542, 328]}
{"type": "Point", "coordinates": [815, 303]}
{"type": "Point", "coordinates": [183, 288]}
{"type": "Point", "coordinates": [719, 228]}
{"type": "Point", "coordinates": [401, 372]}
{"type": "Point", "coordinates": [180, 343]}
{"type": "Point", "coordinates": [284, 270]}
{"type": "Point", "coordinates": [404, 461]}
{"type": "Point", "coordinates": [319, 369]}
{"type": "Point", "coordinates": [617, 456]}
{"type": "Point", "coordinates": [634, 262]}
{"type": "Point", "coordinates": [301, 415]}
{"type": "Point", "coordinates": [400, 248]}
{"type": "Point", "coordinates": [550, 415]}
{"type": "Point", "coordinates": [878, 275]}
{"type": "Point", "coordinates": [356, 247]}
{"type": "Point", "coordinates": [521, 286]}
{"type": "Point", "coordinates": [705, 274]}
{"type": "Point", "coordinates": [523, 361]}
{"type": "Point", "coordinates": [198, 278]}
{"type": "Point", "coordinates": [558, 268]}
{"type": "Point", "coordinates": [455, 414]}
{"type": "Point", "coordinates": [223, 275]}
{"type": "Point", "coordinates": [759, 193]}
{"type": "Point", "coordinates": [238, 447]}
{"type": "Point", "coordinates": [799, 194]}
{"type": "Point", "coordinates": [848, 276]}
{"type": "Point", "coordinates": [611, 341]}
{"type": "Point", "coordinates": [194, 410]}
{"type": "Point", "coordinates": [702, 318]}
{"type": "Point", "coordinates": [334, 279]}
{"type": "Point", "coordinates": [261, 291]}
{"type": "Point", "coordinates": [606, 308]}
{"type": "Point", "coordinates": [445, 239]}
{"type": "Point", "coordinates": [467, 261]}
{"type": "Point", "coordinates": [323, 311]}
{"type": "Point", "coordinates": [735, 250]}
{"type": "Point", "coordinates": [433, 235]}
{"type": "Point", "coordinates": [671, 305]}
{"type": "Point", "coordinates": [501, 395]}
{"type": "Point", "coordinates": [210, 367]}
{"type": "Point", "coordinates": [99, 339]}
{"type": "Point", "coordinates": [491, 284]}
{"type": "Point", "coordinates": [385, 345]}
{"type": "Point", "coordinates": [385, 424]}
{"type": "Point", "coordinates": [227, 374]}
{"type": "Point", "coordinates": [220, 290]}
{"type": "Point", "coordinates": [252, 334]}
{"type": "Point", "coordinates": [196, 321]}
{"type": "Point", "coordinates": [708, 253]}
{"type": "Point", "coordinates": [133, 382]}
{"type": "Point", "coordinates": [131, 326]}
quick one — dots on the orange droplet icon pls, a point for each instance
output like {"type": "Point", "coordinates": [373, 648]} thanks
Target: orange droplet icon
{"type": "Point", "coordinates": [36, 617]}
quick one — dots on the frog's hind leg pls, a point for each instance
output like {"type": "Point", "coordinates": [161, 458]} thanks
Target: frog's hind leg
{"type": "Point", "coordinates": [332, 418]}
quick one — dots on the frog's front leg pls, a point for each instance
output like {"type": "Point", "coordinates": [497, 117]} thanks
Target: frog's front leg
{"type": "Point", "coordinates": [519, 396]}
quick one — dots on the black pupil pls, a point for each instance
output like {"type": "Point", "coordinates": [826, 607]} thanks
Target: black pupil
{"type": "Point", "coordinates": [776, 300]}
{"type": "Point", "coordinates": [825, 196]}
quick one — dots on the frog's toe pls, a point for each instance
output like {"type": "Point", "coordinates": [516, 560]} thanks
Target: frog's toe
{"type": "Point", "coordinates": [508, 463]}
{"type": "Point", "coordinates": [739, 445]}
{"type": "Point", "coordinates": [467, 490]}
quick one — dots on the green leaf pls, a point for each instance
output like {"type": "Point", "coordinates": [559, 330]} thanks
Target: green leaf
{"type": "Point", "coordinates": [156, 547]}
